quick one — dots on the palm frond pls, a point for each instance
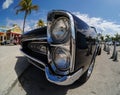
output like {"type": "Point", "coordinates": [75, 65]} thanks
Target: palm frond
{"type": "Point", "coordinates": [19, 10]}
{"type": "Point", "coordinates": [27, 7]}
{"type": "Point", "coordinates": [34, 7]}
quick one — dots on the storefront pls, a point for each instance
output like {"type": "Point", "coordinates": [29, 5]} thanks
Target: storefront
{"type": "Point", "coordinates": [10, 35]}
{"type": "Point", "coordinates": [14, 34]}
{"type": "Point", "coordinates": [13, 37]}
{"type": "Point", "coordinates": [2, 37]}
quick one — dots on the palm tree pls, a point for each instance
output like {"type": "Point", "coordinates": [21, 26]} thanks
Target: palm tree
{"type": "Point", "coordinates": [102, 38]}
{"type": "Point", "coordinates": [40, 23]}
{"type": "Point", "coordinates": [25, 6]}
{"type": "Point", "coordinates": [107, 37]}
{"type": "Point", "coordinates": [117, 37]}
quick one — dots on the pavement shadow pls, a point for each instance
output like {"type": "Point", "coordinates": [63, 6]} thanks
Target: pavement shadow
{"type": "Point", "coordinates": [34, 82]}
{"type": "Point", "coordinates": [21, 65]}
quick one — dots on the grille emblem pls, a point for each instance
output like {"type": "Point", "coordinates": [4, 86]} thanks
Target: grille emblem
{"type": "Point", "coordinates": [37, 47]}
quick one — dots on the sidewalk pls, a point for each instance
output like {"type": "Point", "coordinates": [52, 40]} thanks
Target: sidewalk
{"type": "Point", "coordinates": [12, 65]}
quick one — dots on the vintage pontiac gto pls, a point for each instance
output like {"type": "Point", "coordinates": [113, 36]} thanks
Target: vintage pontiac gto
{"type": "Point", "coordinates": [65, 49]}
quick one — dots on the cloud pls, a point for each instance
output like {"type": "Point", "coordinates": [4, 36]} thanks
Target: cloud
{"type": "Point", "coordinates": [104, 26]}
{"type": "Point", "coordinates": [30, 24]}
{"type": "Point", "coordinates": [7, 3]}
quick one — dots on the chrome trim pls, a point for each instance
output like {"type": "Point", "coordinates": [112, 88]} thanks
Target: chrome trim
{"type": "Point", "coordinates": [90, 69]}
{"type": "Point", "coordinates": [58, 71]}
{"type": "Point", "coordinates": [32, 39]}
{"type": "Point", "coordinates": [62, 80]}
{"type": "Point", "coordinates": [35, 64]}
{"type": "Point", "coordinates": [39, 42]}
{"type": "Point", "coordinates": [73, 42]}
{"type": "Point", "coordinates": [40, 62]}
{"type": "Point", "coordinates": [61, 46]}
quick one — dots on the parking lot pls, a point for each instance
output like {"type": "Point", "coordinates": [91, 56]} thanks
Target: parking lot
{"type": "Point", "coordinates": [105, 79]}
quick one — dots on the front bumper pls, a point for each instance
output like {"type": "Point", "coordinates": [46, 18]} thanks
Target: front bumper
{"type": "Point", "coordinates": [59, 80]}
{"type": "Point", "coordinates": [62, 80]}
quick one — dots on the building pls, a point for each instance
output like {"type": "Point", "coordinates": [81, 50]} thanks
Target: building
{"type": "Point", "coordinates": [3, 37]}
{"type": "Point", "coordinates": [14, 34]}
{"type": "Point", "coordinates": [10, 35]}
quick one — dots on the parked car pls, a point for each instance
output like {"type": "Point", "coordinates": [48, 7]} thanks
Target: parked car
{"type": "Point", "coordinates": [117, 43]}
{"type": "Point", "coordinates": [109, 43]}
{"type": "Point", "coordinates": [65, 49]}
{"type": "Point", "coordinates": [3, 43]}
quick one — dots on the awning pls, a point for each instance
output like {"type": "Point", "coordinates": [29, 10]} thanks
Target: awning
{"type": "Point", "coordinates": [1, 33]}
{"type": "Point", "coordinates": [13, 33]}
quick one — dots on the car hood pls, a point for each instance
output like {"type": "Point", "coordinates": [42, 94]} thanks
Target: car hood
{"type": "Point", "coordinates": [36, 33]}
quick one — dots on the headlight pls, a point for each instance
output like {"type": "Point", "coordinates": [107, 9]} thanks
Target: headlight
{"type": "Point", "coordinates": [61, 37]}
{"type": "Point", "coordinates": [61, 59]}
{"type": "Point", "coordinates": [60, 30]}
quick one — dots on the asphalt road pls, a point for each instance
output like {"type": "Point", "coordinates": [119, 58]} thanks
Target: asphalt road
{"type": "Point", "coordinates": [105, 80]}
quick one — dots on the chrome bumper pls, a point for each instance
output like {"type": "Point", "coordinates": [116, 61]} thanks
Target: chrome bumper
{"type": "Point", "coordinates": [59, 80]}
{"type": "Point", "coordinates": [62, 80]}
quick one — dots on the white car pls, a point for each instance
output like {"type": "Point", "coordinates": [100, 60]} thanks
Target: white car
{"type": "Point", "coordinates": [117, 43]}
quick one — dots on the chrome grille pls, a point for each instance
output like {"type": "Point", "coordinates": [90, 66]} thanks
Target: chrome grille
{"type": "Point", "coordinates": [37, 47]}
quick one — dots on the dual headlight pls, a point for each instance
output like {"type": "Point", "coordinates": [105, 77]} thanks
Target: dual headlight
{"type": "Point", "coordinates": [60, 39]}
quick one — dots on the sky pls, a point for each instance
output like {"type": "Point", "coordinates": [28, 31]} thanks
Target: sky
{"type": "Point", "coordinates": [102, 14]}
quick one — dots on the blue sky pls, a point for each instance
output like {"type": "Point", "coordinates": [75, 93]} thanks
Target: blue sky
{"type": "Point", "coordinates": [103, 14]}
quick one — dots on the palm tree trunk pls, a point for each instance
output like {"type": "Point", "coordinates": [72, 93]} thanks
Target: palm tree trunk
{"type": "Point", "coordinates": [24, 22]}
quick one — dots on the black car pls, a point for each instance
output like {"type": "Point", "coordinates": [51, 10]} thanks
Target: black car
{"type": "Point", "coordinates": [65, 49]}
